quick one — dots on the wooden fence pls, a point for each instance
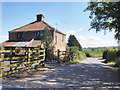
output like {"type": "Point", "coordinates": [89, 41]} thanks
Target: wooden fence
{"type": "Point", "coordinates": [61, 54]}
{"type": "Point", "coordinates": [17, 60]}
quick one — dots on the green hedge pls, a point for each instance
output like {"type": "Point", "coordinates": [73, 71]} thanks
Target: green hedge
{"type": "Point", "coordinates": [81, 55]}
{"type": "Point", "coordinates": [117, 61]}
{"type": "Point", "coordinates": [74, 56]}
{"type": "Point", "coordinates": [95, 53]}
{"type": "Point", "coordinates": [112, 55]}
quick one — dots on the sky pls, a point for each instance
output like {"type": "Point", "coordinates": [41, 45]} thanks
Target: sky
{"type": "Point", "coordinates": [67, 17]}
{"type": "Point", "coordinates": [0, 87]}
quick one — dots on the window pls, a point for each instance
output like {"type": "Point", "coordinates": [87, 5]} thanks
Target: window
{"type": "Point", "coordinates": [19, 35]}
{"type": "Point", "coordinates": [39, 33]}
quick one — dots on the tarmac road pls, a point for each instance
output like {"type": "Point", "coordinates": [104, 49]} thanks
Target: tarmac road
{"type": "Point", "coordinates": [90, 73]}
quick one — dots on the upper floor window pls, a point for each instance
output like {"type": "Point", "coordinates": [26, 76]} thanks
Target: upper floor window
{"type": "Point", "coordinates": [19, 35]}
{"type": "Point", "coordinates": [39, 33]}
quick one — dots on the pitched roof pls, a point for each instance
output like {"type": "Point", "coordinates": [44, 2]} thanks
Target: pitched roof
{"type": "Point", "coordinates": [7, 44]}
{"type": "Point", "coordinates": [35, 26]}
{"type": "Point", "coordinates": [32, 43]}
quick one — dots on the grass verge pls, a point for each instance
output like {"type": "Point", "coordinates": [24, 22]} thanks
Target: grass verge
{"type": "Point", "coordinates": [72, 62]}
{"type": "Point", "coordinates": [114, 64]}
{"type": "Point", "coordinates": [111, 63]}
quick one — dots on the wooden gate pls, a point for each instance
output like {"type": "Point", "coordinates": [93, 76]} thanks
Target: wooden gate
{"type": "Point", "coordinates": [16, 60]}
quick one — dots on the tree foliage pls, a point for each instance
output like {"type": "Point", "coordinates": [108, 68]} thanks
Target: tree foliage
{"type": "Point", "coordinates": [47, 39]}
{"type": "Point", "coordinates": [105, 16]}
{"type": "Point", "coordinates": [72, 41]}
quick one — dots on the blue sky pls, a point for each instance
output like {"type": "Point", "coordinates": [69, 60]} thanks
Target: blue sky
{"type": "Point", "coordinates": [0, 87]}
{"type": "Point", "coordinates": [69, 17]}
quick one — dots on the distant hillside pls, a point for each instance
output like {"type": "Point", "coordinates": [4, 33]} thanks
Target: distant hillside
{"type": "Point", "coordinates": [100, 48]}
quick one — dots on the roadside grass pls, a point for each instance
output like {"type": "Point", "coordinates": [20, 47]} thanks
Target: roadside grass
{"type": "Point", "coordinates": [112, 57]}
{"type": "Point", "coordinates": [74, 56]}
{"type": "Point", "coordinates": [94, 53]}
{"type": "Point", "coordinates": [114, 63]}
{"type": "Point", "coordinates": [111, 63]}
{"type": "Point", "coordinates": [72, 62]}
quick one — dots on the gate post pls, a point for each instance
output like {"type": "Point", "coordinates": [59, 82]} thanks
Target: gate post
{"type": "Point", "coordinates": [43, 64]}
{"type": "Point", "coordinates": [2, 61]}
{"type": "Point", "coordinates": [11, 52]}
{"type": "Point", "coordinates": [58, 53]}
{"type": "Point", "coordinates": [29, 54]}
{"type": "Point", "coordinates": [28, 59]}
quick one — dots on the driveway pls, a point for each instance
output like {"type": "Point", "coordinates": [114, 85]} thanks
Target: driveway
{"type": "Point", "coordinates": [90, 73]}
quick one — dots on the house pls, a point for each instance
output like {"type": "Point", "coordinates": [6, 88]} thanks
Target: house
{"type": "Point", "coordinates": [29, 35]}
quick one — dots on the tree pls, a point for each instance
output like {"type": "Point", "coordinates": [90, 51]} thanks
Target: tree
{"type": "Point", "coordinates": [105, 16]}
{"type": "Point", "coordinates": [47, 39]}
{"type": "Point", "coordinates": [72, 41]}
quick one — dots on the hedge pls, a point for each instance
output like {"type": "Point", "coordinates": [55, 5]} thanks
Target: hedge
{"type": "Point", "coordinates": [74, 56]}
{"type": "Point", "coordinates": [81, 55]}
{"type": "Point", "coordinates": [112, 55]}
{"type": "Point", "coordinates": [94, 53]}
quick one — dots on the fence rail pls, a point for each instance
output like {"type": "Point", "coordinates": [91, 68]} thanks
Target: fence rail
{"type": "Point", "coordinates": [61, 54]}
{"type": "Point", "coordinates": [16, 60]}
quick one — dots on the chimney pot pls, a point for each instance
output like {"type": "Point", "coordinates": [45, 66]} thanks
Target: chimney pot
{"type": "Point", "coordinates": [40, 17]}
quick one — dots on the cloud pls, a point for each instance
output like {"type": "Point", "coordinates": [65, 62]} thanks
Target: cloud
{"type": "Point", "coordinates": [90, 41]}
{"type": "Point", "coordinates": [71, 32]}
{"type": "Point", "coordinates": [94, 38]}
{"type": "Point", "coordinates": [94, 41]}
{"type": "Point", "coordinates": [3, 38]}
{"type": "Point", "coordinates": [75, 31]}
{"type": "Point", "coordinates": [109, 43]}
{"type": "Point", "coordinates": [80, 29]}
{"type": "Point", "coordinates": [82, 38]}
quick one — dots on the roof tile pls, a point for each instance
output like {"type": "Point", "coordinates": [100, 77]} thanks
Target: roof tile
{"type": "Point", "coordinates": [35, 26]}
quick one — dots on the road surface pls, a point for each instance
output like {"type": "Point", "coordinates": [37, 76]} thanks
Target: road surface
{"type": "Point", "coordinates": [90, 73]}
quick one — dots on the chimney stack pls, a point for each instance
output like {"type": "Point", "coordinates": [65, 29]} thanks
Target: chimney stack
{"type": "Point", "coordinates": [40, 17]}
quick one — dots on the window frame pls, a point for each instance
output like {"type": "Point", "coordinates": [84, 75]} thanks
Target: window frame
{"type": "Point", "coordinates": [38, 33]}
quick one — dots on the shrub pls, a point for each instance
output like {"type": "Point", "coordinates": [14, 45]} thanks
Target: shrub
{"type": "Point", "coordinates": [94, 53]}
{"type": "Point", "coordinates": [74, 56]}
{"type": "Point", "coordinates": [105, 54]}
{"type": "Point", "coordinates": [74, 49]}
{"type": "Point", "coordinates": [87, 52]}
{"type": "Point", "coordinates": [112, 54]}
{"type": "Point", "coordinates": [81, 55]}
{"type": "Point", "coordinates": [117, 60]}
